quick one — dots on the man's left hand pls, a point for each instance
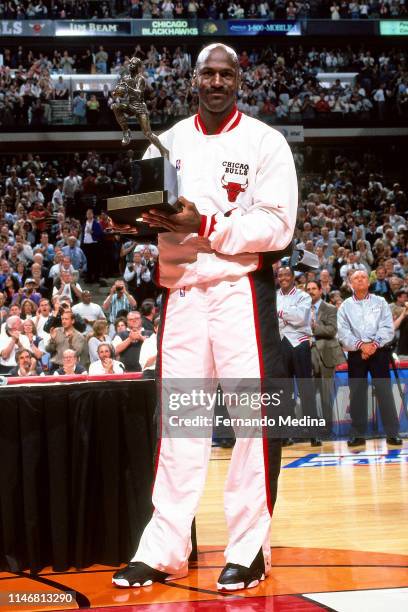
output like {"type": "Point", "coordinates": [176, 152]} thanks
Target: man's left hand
{"type": "Point", "coordinates": [186, 221]}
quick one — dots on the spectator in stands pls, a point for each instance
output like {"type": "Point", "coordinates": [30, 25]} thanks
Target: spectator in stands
{"type": "Point", "coordinates": [399, 310]}
{"type": "Point", "coordinates": [65, 286]}
{"type": "Point", "coordinates": [118, 300]}
{"type": "Point", "coordinates": [27, 365]}
{"type": "Point", "coordinates": [148, 352]}
{"type": "Point", "coordinates": [92, 235]}
{"type": "Point", "coordinates": [128, 344]}
{"type": "Point", "coordinates": [69, 364]}
{"type": "Point", "coordinates": [138, 277]}
{"type": "Point", "coordinates": [10, 342]}
{"type": "Point", "coordinates": [381, 286]}
{"type": "Point", "coordinates": [66, 337]}
{"type": "Point", "coordinates": [76, 255]}
{"type": "Point", "coordinates": [99, 335]}
{"type": "Point", "coordinates": [106, 362]}
{"type": "Point", "coordinates": [88, 311]}
{"type": "Point", "coordinates": [79, 107]}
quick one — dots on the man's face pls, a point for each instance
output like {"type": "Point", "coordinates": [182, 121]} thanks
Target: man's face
{"type": "Point", "coordinates": [137, 258]}
{"type": "Point", "coordinates": [24, 361]}
{"type": "Point", "coordinates": [402, 299]}
{"type": "Point", "coordinates": [359, 281]}
{"type": "Point", "coordinates": [286, 278]}
{"type": "Point", "coordinates": [2, 299]}
{"type": "Point", "coordinates": [217, 80]}
{"type": "Point", "coordinates": [29, 287]}
{"type": "Point", "coordinates": [45, 308]}
{"type": "Point", "coordinates": [314, 292]}
{"type": "Point", "coordinates": [66, 320]}
{"type": "Point", "coordinates": [86, 297]}
{"type": "Point", "coordinates": [14, 310]}
{"type": "Point", "coordinates": [380, 272]}
{"type": "Point", "coordinates": [104, 353]}
{"type": "Point", "coordinates": [134, 321]}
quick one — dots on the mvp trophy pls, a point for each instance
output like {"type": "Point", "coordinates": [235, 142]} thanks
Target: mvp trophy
{"type": "Point", "coordinates": [154, 181]}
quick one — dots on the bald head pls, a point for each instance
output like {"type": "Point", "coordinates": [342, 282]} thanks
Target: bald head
{"type": "Point", "coordinates": [227, 51]}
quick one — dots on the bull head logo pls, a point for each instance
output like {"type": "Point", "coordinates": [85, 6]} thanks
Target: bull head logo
{"type": "Point", "coordinates": [233, 189]}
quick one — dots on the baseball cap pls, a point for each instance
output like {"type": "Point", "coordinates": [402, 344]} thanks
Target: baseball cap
{"type": "Point", "coordinates": [29, 280]}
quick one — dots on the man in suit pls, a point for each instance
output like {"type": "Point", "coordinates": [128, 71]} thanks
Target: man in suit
{"type": "Point", "coordinates": [326, 350]}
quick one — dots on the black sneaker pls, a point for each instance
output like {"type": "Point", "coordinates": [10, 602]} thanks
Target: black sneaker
{"type": "Point", "coordinates": [234, 577]}
{"type": "Point", "coordinates": [356, 442]}
{"type": "Point", "coordinates": [138, 574]}
{"type": "Point", "coordinates": [394, 441]}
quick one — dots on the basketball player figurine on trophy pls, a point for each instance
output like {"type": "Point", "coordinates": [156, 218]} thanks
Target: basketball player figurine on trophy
{"type": "Point", "coordinates": [130, 90]}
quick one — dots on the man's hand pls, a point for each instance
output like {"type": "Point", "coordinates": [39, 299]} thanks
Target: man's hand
{"type": "Point", "coordinates": [136, 336]}
{"type": "Point", "coordinates": [368, 349]}
{"type": "Point", "coordinates": [15, 334]}
{"type": "Point", "coordinates": [186, 221]}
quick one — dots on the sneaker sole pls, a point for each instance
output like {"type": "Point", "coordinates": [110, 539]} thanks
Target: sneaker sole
{"type": "Point", "coordinates": [238, 586]}
{"type": "Point", "coordinates": [122, 582]}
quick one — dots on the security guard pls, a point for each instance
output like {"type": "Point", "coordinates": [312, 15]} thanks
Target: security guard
{"type": "Point", "coordinates": [365, 328]}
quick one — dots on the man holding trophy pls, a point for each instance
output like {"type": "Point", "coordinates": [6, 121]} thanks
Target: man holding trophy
{"type": "Point", "coordinates": [236, 211]}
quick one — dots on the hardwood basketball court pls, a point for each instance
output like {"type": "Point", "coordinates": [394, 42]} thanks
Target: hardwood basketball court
{"type": "Point", "coordinates": [339, 538]}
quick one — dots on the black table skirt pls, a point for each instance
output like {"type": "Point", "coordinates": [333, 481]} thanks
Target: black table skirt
{"type": "Point", "coordinates": [76, 473]}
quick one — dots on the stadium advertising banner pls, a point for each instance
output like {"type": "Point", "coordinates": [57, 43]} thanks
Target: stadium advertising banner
{"type": "Point", "coordinates": [164, 27]}
{"type": "Point", "coordinates": [257, 27]}
{"type": "Point", "coordinates": [394, 28]}
{"type": "Point", "coordinates": [292, 133]}
{"type": "Point", "coordinates": [27, 28]}
{"type": "Point", "coordinates": [106, 27]}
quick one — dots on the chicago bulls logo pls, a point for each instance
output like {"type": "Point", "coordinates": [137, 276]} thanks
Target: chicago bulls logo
{"type": "Point", "coordinates": [233, 188]}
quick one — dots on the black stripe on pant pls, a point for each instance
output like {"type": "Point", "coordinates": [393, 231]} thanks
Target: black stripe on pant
{"type": "Point", "coordinates": [263, 288]}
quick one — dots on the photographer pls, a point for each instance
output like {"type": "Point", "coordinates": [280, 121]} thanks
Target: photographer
{"type": "Point", "coordinates": [138, 277]}
{"type": "Point", "coordinates": [59, 306]}
{"type": "Point", "coordinates": [118, 299]}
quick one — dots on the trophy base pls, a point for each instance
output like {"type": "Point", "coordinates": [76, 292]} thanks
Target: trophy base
{"type": "Point", "coordinates": [129, 209]}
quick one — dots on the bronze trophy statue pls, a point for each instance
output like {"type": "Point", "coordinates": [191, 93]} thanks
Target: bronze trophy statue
{"type": "Point", "coordinates": [130, 90]}
{"type": "Point", "coordinates": [153, 181]}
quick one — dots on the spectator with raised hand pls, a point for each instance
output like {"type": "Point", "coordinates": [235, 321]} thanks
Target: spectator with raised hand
{"type": "Point", "coordinates": [66, 337]}
{"type": "Point", "coordinates": [106, 362]}
{"type": "Point", "coordinates": [10, 342]}
{"type": "Point", "coordinates": [119, 300]}
{"type": "Point", "coordinates": [128, 344]}
{"type": "Point", "coordinates": [26, 364]}
{"type": "Point", "coordinates": [65, 286]}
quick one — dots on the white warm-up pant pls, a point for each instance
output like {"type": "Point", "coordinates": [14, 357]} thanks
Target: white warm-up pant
{"type": "Point", "coordinates": [226, 330]}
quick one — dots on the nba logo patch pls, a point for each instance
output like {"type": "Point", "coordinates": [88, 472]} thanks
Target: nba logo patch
{"type": "Point", "coordinates": [178, 164]}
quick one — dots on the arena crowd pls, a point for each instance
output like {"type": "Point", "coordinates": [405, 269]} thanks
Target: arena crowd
{"type": "Point", "coordinates": [204, 9]}
{"type": "Point", "coordinates": [278, 86]}
{"type": "Point", "coordinates": [57, 247]}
